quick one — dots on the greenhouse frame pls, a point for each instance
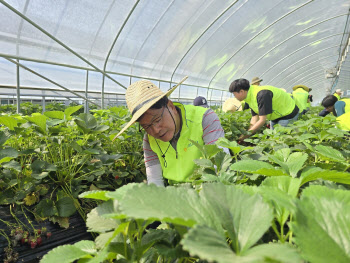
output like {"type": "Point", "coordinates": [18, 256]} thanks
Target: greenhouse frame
{"type": "Point", "coordinates": [175, 131]}
{"type": "Point", "coordinates": [92, 50]}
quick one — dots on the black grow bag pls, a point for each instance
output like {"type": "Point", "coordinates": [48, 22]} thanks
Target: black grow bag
{"type": "Point", "coordinates": [77, 231]}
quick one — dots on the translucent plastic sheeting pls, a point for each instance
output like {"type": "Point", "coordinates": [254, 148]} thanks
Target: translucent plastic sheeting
{"type": "Point", "coordinates": [7, 73]}
{"type": "Point", "coordinates": [285, 42]}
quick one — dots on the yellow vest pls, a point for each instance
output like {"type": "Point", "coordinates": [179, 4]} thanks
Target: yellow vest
{"type": "Point", "coordinates": [300, 97]}
{"type": "Point", "coordinates": [336, 94]}
{"type": "Point", "coordinates": [282, 103]}
{"type": "Point", "coordinates": [180, 166]}
{"type": "Point", "coordinates": [344, 121]}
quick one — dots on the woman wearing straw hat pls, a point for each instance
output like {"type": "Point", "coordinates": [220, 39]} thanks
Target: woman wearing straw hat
{"type": "Point", "coordinates": [266, 103]}
{"type": "Point", "coordinates": [169, 126]}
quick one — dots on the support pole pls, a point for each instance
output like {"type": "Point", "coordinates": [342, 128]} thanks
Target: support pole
{"type": "Point", "coordinates": [86, 108]}
{"type": "Point", "coordinates": [18, 90]}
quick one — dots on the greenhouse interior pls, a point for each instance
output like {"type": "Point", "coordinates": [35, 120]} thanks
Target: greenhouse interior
{"type": "Point", "coordinates": [175, 131]}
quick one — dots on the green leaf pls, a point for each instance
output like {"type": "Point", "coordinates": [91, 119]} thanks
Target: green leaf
{"type": "Point", "coordinates": [157, 235]}
{"type": "Point", "coordinates": [9, 122]}
{"type": "Point", "coordinates": [295, 162]}
{"type": "Point", "coordinates": [64, 254]}
{"type": "Point", "coordinates": [281, 192]}
{"type": "Point", "coordinates": [246, 218]}
{"type": "Point", "coordinates": [203, 163]}
{"type": "Point", "coordinates": [46, 208]}
{"type": "Point", "coordinates": [55, 114]}
{"type": "Point", "coordinates": [13, 165]}
{"type": "Point", "coordinates": [70, 110]}
{"type": "Point", "coordinates": [8, 154]}
{"type": "Point", "coordinates": [86, 122]}
{"type": "Point", "coordinates": [220, 207]}
{"type": "Point", "coordinates": [91, 151]}
{"type": "Point", "coordinates": [290, 163]}
{"type": "Point", "coordinates": [100, 195]}
{"type": "Point", "coordinates": [97, 223]}
{"type": "Point", "coordinates": [330, 153]}
{"type": "Point", "coordinates": [268, 253]}
{"type": "Point", "coordinates": [233, 145]}
{"type": "Point", "coordinates": [40, 121]}
{"type": "Point", "coordinates": [257, 167]}
{"type": "Point", "coordinates": [41, 168]}
{"type": "Point", "coordinates": [87, 246]}
{"type": "Point", "coordinates": [208, 244]}
{"type": "Point", "coordinates": [101, 128]}
{"type": "Point", "coordinates": [314, 173]}
{"type": "Point", "coordinates": [65, 207]}
{"type": "Point", "coordinates": [322, 226]}
{"type": "Point", "coordinates": [3, 138]}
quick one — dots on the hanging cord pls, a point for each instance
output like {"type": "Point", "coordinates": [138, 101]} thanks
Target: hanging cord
{"type": "Point", "coordinates": [163, 154]}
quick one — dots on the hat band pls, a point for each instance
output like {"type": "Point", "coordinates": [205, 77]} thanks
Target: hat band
{"type": "Point", "coordinates": [141, 104]}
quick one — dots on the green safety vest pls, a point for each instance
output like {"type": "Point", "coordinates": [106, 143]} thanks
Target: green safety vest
{"type": "Point", "coordinates": [179, 168]}
{"type": "Point", "coordinates": [282, 103]}
{"type": "Point", "coordinates": [344, 121]}
{"type": "Point", "coordinates": [300, 97]}
{"type": "Point", "coordinates": [336, 94]}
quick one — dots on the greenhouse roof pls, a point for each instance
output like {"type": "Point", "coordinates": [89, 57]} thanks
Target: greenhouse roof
{"type": "Point", "coordinates": [86, 48]}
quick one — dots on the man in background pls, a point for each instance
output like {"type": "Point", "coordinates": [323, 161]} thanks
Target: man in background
{"type": "Point", "coordinates": [200, 101]}
{"type": "Point", "coordinates": [266, 103]}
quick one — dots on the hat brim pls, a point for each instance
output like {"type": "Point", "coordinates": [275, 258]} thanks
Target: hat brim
{"type": "Point", "coordinates": [146, 107]}
{"type": "Point", "coordinates": [302, 87]}
{"type": "Point", "coordinates": [257, 81]}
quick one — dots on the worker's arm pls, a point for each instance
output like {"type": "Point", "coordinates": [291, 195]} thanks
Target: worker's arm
{"type": "Point", "coordinates": [258, 124]}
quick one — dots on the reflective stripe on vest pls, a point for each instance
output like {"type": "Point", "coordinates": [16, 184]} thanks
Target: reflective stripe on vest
{"type": "Point", "coordinates": [181, 168]}
{"type": "Point", "coordinates": [282, 103]}
{"type": "Point", "coordinates": [300, 97]}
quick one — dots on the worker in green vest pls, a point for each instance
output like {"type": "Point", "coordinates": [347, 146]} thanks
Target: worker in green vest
{"type": "Point", "coordinates": [266, 103]}
{"type": "Point", "coordinates": [169, 127]}
{"type": "Point", "coordinates": [338, 93]}
{"type": "Point", "coordinates": [301, 97]}
{"type": "Point", "coordinates": [339, 108]}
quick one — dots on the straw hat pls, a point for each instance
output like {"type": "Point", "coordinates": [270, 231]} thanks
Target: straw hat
{"type": "Point", "coordinates": [339, 91]}
{"type": "Point", "coordinates": [255, 80]}
{"type": "Point", "coordinates": [232, 105]}
{"type": "Point", "coordinates": [302, 87]}
{"type": "Point", "coordinates": [140, 96]}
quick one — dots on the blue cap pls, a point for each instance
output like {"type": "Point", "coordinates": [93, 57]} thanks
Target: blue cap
{"type": "Point", "coordinates": [200, 101]}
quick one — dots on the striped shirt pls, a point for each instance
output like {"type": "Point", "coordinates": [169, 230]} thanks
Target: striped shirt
{"type": "Point", "coordinates": [212, 131]}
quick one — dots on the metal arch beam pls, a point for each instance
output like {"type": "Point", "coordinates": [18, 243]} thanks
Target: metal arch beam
{"type": "Point", "coordinates": [171, 40]}
{"type": "Point", "coordinates": [311, 74]}
{"type": "Point", "coordinates": [59, 42]}
{"type": "Point", "coordinates": [300, 76]}
{"type": "Point", "coordinates": [110, 50]}
{"type": "Point", "coordinates": [319, 51]}
{"type": "Point", "coordinates": [256, 61]}
{"type": "Point", "coordinates": [100, 27]}
{"type": "Point", "coordinates": [90, 69]}
{"type": "Point", "coordinates": [195, 42]}
{"type": "Point", "coordinates": [297, 50]}
{"type": "Point", "coordinates": [255, 36]}
{"type": "Point", "coordinates": [295, 78]}
{"type": "Point", "coordinates": [277, 83]}
{"type": "Point", "coordinates": [149, 34]}
{"type": "Point", "coordinates": [49, 80]}
{"type": "Point", "coordinates": [50, 89]}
